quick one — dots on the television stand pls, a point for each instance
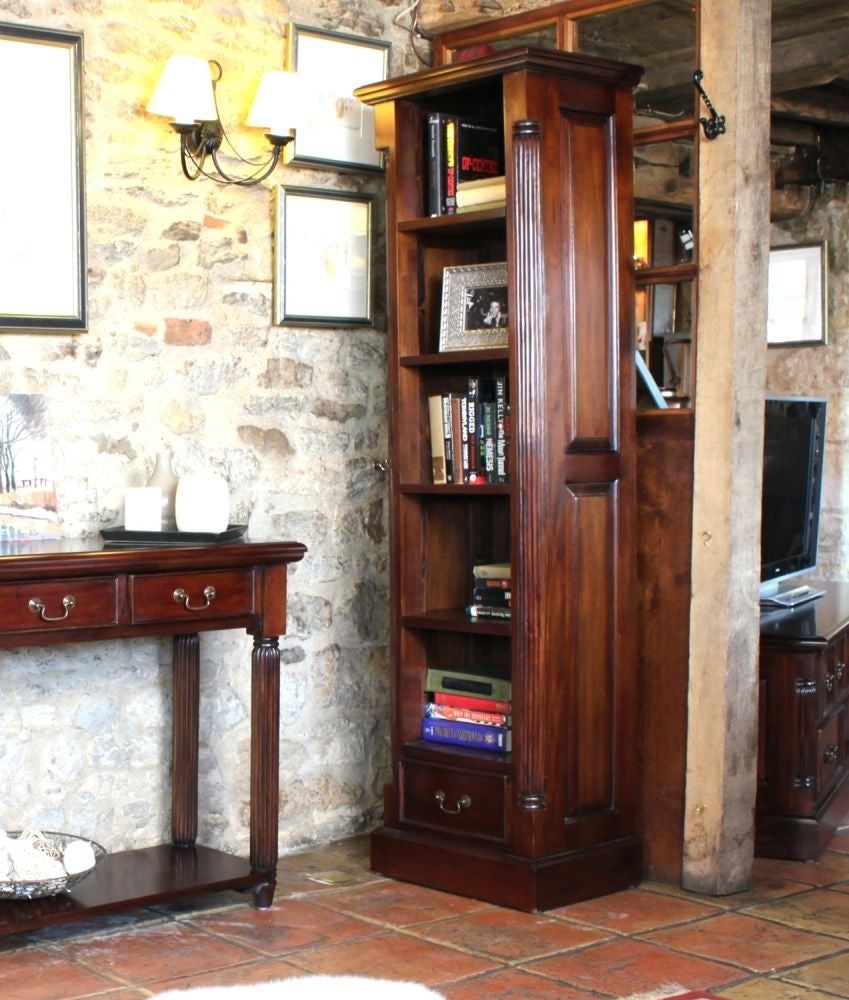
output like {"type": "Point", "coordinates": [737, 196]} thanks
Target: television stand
{"type": "Point", "coordinates": [791, 597]}
{"type": "Point", "coordinates": [803, 791]}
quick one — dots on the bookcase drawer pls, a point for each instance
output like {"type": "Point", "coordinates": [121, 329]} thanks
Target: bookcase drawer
{"type": "Point", "coordinates": [448, 799]}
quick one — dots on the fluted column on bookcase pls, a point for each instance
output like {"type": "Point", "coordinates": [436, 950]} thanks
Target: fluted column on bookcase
{"type": "Point", "coordinates": [528, 406]}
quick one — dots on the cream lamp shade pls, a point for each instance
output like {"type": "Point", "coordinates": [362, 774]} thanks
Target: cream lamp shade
{"type": "Point", "coordinates": [275, 106]}
{"type": "Point", "coordinates": [184, 92]}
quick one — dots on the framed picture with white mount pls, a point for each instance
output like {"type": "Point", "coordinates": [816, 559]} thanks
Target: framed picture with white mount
{"type": "Point", "coordinates": [797, 296]}
{"type": "Point", "coordinates": [335, 130]}
{"type": "Point", "coordinates": [42, 200]}
{"type": "Point", "coordinates": [322, 258]}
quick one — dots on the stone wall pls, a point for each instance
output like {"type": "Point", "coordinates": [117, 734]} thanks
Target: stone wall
{"type": "Point", "coordinates": [821, 370]}
{"type": "Point", "coordinates": [181, 349]}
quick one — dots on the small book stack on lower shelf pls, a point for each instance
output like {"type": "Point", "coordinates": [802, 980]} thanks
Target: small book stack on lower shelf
{"type": "Point", "coordinates": [468, 708]}
{"type": "Point", "coordinates": [492, 594]}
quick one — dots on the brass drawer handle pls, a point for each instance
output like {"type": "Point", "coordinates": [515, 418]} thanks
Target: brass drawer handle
{"type": "Point", "coordinates": [841, 669]}
{"type": "Point", "coordinates": [37, 607]}
{"type": "Point", "coordinates": [831, 753]}
{"type": "Point", "coordinates": [181, 597]}
{"type": "Point", "coordinates": [464, 802]}
{"type": "Point", "coordinates": [829, 682]}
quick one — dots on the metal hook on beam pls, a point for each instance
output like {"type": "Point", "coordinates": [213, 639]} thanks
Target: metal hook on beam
{"type": "Point", "coordinates": [715, 125]}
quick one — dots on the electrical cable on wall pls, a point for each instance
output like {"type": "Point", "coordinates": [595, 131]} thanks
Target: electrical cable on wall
{"type": "Point", "coordinates": [416, 31]}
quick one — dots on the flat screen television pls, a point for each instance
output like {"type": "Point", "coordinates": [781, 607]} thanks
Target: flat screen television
{"type": "Point", "coordinates": [794, 441]}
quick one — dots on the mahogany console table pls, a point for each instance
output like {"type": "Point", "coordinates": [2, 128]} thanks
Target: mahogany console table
{"type": "Point", "coordinates": [83, 591]}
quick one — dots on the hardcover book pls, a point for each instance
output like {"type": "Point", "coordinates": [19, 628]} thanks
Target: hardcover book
{"type": "Point", "coordinates": [433, 710]}
{"type": "Point", "coordinates": [437, 439]}
{"type": "Point", "coordinates": [487, 611]}
{"type": "Point", "coordinates": [467, 734]}
{"type": "Point", "coordinates": [473, 702]}
{"type": "Point", "coordinates": [468, 682]}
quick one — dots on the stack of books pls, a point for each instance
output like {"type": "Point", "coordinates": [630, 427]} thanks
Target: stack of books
{"type": "Point", "coordinates": [470, 433]}
{"type": "Point", "coordinates": [478, 195]}
{"type": "Point", "coordinates": [460, 150]}
{"type": "Point", "coordinates": [469, 708]}
{"type": "Point", "coordinates": [491, 596]}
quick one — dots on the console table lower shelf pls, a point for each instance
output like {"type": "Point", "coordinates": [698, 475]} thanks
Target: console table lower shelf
{"type": "Point", "coordinates": [52, 593]}
{"type": "Point", "coordinates": [132, 879]}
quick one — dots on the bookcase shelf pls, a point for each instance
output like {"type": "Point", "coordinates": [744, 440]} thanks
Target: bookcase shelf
{"type": "Point", "coordinates": [552, 820]}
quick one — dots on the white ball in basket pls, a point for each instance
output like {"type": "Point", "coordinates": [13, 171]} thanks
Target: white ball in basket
{"type": "Point", "coordinates": [78, 856]}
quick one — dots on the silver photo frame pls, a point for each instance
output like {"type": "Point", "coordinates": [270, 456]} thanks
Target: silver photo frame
{"type": "Point", "coordinates": [475, 307]}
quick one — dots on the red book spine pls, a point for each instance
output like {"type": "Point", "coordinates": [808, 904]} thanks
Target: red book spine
{"type": "Point", "coordinates": [469, 701]}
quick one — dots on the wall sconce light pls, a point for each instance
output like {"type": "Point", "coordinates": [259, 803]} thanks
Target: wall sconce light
{"type": "Point", "coordinates": [186, 94]}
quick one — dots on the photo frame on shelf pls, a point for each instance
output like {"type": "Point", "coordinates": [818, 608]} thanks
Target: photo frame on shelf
{"type": "Point", "coordinates": [475, 307]}
{"type": "Point", "coordinates": [335, 130]}
{"type": "Point", "coordinates": [796, 314]}
{"type": "Point", "coordinates": [323, 252]}
{"type": "Point", "coordinates": [42, 198]}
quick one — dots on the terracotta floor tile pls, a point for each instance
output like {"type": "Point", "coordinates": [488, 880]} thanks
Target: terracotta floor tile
{"type": "Point", "coordinates": [510, 937]}
{"type": "Point", "coordinates": [748, 942]}
{"type": "Point", "coordinates": [36, 974]}
{"type": "Point", "coordinates": [831, 867]}
{"type": "Point", "coordinates": [512, 984]}
{"type": "Point", "coordinates": [299, 873]}
{"type": "Point", "coordinates": [635, 911]}
{"type": "Point", "coordinates": [393, 956]}
{"type": "Point", "coordinates": [234, 975]}
{"type": "Point", "coordinates": [822, 911]}
{"type": "Point", "coordinates": [288, 926]}
{"type": "Point", "coordinates": [772, 989]}
{"type": "Point", "coordinates": [618, 968]}
{"type": "Point", "coordinates": [400, 904]}
{"type": "Point", "coordinates": [151, 954]}
{"type": "Point", "coordinates": [764, 886]}
{"type": "Point", "coordinates": [829, 974]}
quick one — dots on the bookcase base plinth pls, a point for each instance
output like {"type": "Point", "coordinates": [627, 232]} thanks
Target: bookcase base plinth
{"type": "Point", "coordinates": [529, 884]}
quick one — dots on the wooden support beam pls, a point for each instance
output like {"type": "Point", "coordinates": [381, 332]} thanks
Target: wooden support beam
{"type": "Point", "coordinates": [731, 361]}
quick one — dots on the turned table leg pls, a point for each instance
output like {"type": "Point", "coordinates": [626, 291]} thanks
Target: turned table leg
{"type": "Point", "coordinates": [265, 763]}
{"type": "Point", "coordinates": [184, 782]}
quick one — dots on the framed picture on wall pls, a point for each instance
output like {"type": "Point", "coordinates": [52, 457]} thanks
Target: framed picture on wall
{"type": "Point", "coordinates": [335, 129]}
{"type": "Point", "coordinates": [42, 202]}
{"type": "Point", "coordinates": [322, 249]}
{"type": "Point", "coordinates": [797, 295]}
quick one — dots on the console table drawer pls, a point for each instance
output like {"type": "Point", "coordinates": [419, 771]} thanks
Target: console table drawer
{"type": "Point", "coordinates": [191, 597]}
{"type": "Point", "coordinates": [40, 605]}
{"type": "Point", "coordinates": [463, 802]}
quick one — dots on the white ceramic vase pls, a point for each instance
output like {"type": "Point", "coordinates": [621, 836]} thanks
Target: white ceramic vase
{"type": "Point", "coordinates": [163, 477]}
{"type": "Point", "coordinates": [202, 504]}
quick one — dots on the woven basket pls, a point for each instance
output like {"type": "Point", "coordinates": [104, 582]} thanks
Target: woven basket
{"type": "Point", "coordinates": [51, 886]}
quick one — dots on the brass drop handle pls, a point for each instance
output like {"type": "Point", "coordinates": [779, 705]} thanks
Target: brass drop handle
{"type": "Point", "coordinates": [829, 682]}
{"type": "Point", "coordinates": [830, 754]}
{"type": "Point", "coordinates": [37, 607]}
{"type": "Point", "coordinates": [464, 802]}
{"type": "Point", "coordinates": [841, 669]}
{"type": "Point", "coordinates": [181, 597]}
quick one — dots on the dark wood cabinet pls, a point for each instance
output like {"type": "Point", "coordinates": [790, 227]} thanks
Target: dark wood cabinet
{"type": "Point", "coordinates": [803, 742]}
{"type": "Point", "coordinates": [554, 820]}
